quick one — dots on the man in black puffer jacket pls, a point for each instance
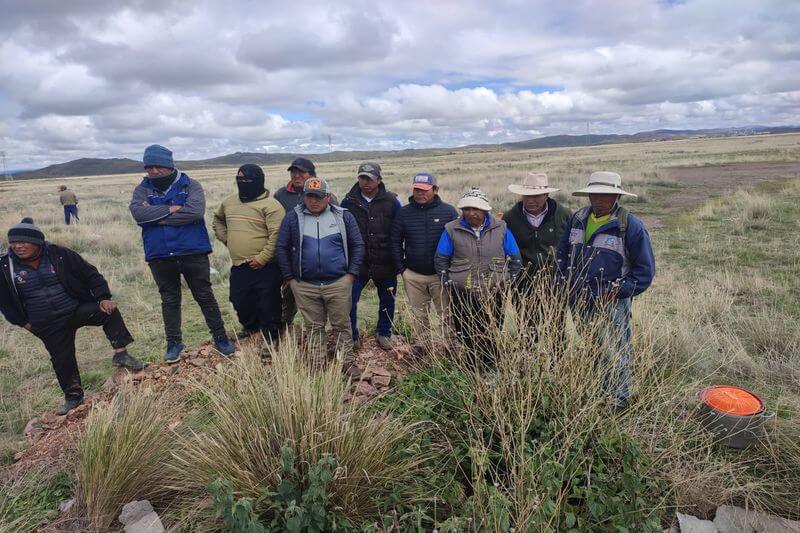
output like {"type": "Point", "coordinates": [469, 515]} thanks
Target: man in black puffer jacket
{"type": "Point", "coordinates": [52, 291]}
{"type": "Point", "coordinates": [374, 208]}
{"type": "Point", "coordinates": [415, 235]}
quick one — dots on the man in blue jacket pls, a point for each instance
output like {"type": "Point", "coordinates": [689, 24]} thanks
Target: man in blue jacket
{"type": "Point", "coordinates": [319, 252]}
{"type": "Point", "coordinates": [170, 206]}
{"type": "Point", "coordinates": [415, 234]}
{"type": "Point", "coordinates": [605, 258]}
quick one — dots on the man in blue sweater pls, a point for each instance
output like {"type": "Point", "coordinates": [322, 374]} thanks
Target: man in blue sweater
{"type": "Point", "coordinates": [319, 252]}
{"type": "Point", "coordinates": [415, 234]}
{"type": "Point", "coordinates": [170, 206]}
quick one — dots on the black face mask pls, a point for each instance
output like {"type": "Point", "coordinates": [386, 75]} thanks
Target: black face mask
{"type": "Point", "coordinates": [162, 183]}
{"type": "Point", "coordinates": [250, 181]}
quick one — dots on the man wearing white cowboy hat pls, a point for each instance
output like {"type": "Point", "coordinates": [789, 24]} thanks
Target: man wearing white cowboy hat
{"type": "Point", "coordinates": [605, 258]}
{"type": "Point", "coordinates": [476, 255]}
{"type": "Point", "coordinates": [537, 222]}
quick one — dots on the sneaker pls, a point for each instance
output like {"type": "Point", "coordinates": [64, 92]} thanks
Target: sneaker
{"type": "Point", "coordinates": [173, 354]}
{"type": "Point", "coordinates": [125, 360]}
{"type": "Point", "coordinates": [224, 346]}
{"type": "Point", "coordinates": [68, 406]}
{"type": "Point", "coordinates": [385, 342]}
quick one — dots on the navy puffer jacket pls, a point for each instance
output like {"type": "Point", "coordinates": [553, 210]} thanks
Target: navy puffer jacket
{"type": "Point", "coordinates": [415, 234]}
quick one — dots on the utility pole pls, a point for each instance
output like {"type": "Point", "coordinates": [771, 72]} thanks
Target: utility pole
{"type": "Point", "coordinates": [6, 175]}
{"type": "Point", "coordinates": [330, 143]}
{"type": "Point", "coordinates": [587, 133]}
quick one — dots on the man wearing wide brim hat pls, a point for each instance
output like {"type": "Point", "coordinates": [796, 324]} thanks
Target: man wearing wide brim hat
{"type": "Point", "coordinates": [605, 258]}
{"type": "Point", "coordinates": [475, 257]}
{"type": "Point", "coordinates": [537, 223]}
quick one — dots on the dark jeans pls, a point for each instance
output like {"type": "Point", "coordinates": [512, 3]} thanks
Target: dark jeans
{"type": "Point", "coordinates": [477, 316]}
{"type": "Point", "coordinates": [256, 296]}
{"type": "Point", "coordinates": [59, 340]}
{"type": "Point", "coordinates": [545, 311]}
{"type": "Point", "coordinates": [70, 210]}
{"type": "Point", "coordinates": [196, 271]}
{"type": "Point", "coordinates": [387, 289]}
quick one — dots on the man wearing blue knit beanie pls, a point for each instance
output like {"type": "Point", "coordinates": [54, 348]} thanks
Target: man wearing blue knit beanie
{"type": "Point", "coordinates": [169, 206]}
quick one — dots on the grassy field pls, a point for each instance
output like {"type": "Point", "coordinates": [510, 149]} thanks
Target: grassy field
{"type": "Point", "coordinates": [723, 306]}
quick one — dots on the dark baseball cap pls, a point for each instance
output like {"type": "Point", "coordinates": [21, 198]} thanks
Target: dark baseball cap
{"type": "Point", "coordinates": [303, 165]}
{"type": "Point", "coordinates": [370, 170]}
{"type": "Point", "coordinates": [316, 186]}
{"type": "Point", "coordinates": [424, 180]}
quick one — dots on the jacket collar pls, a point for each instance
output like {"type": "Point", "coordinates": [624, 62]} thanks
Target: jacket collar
{"type": "Point", "coordinates": [434, 203]}
{"type": "Point", "coordinates": [355, 193]}
{"type": "Point", "coordinates": [181, 180]}
{"type": "Point", "coordinates": [487, 224]}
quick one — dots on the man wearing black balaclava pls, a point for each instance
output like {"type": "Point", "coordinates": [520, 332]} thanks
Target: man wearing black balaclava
{"type": "Point", "coordinates": [247, 222]}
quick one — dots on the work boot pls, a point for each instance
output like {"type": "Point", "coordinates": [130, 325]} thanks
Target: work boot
{"type": "Point", "coordinates": [245, 334]}
{"type": "Point", "coordinates": [68, 406]}
{"type": "Point", "coordinates": [224, 346]}
{"type": "Point", "coordinates": [173, 354]}
{"type": "Point", "coordinates": [125, 360]}
{"type": "Point", "coordinates": [385, 342]}
{"type": "Point", "coordinates": [357, 344]}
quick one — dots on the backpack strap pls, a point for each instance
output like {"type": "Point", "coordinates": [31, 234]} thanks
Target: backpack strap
{"type": "Point", "coordinates": [622, 216]}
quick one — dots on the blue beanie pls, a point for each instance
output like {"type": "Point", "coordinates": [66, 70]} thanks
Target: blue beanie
{"type": "Point", "coordinates": [156, 155]}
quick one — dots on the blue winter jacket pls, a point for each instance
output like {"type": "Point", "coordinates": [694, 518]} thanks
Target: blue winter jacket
{"type": "Point", "coordinates": [607, 262]}
{"type": "Point", "coordinates": [323, 257]}
{"type": "Point", "coordinates": [168, 234]}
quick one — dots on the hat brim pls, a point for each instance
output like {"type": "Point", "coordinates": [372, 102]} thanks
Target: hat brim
{"type": "Point", "coordinates": [531, 191]}
{"type": "Point", "coordinates": [422, 186]}
{"type": "Point", "coordinates": [601, 189]}
{"type": "Point", "coordinates": [370, 176]}
{"type": "Point", "coordinates": [476, 203]}
{"type": "Point", "coordinates": [319, 194]}
{"type": "Point", "coordinates": [301, 169]}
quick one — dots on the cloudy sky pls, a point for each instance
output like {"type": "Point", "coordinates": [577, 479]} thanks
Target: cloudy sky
{"type": "Point", "coordinates": [94, 78]}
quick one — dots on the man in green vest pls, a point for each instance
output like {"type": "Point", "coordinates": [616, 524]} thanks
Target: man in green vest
{"type": "Point", "coordinates": [537, 222]}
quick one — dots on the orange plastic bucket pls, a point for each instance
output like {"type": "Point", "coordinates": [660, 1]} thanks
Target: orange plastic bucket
{"type": "Point", "coordinates": [732, 400]}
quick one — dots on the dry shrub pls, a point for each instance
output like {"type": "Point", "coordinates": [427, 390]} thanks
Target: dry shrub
{"type": "Point", "coordinates": [254, 410]}
{"type": "Point", "coordinates": [122, 455]}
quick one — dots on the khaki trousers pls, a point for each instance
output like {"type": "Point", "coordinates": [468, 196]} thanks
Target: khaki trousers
{"type": "Point", "coordinates": [424, 292]}
{"type": "Point", "coordinates": [319, 304]}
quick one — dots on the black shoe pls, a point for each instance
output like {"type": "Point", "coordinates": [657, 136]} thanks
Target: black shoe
{"type": "Point", "coordinates": [68, 406]}
{"type": "Point", "coordinates": [246, 334]}
{"type": "Point", "coordinates": [125, 360]}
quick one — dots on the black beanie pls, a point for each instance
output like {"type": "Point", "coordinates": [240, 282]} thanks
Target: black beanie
{"type": "Point", "coordinates": [254, 187]}
{"type": "Point", "coordinates": [26, 231]}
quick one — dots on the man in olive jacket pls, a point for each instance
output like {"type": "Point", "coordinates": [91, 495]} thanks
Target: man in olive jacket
{"type": "Point", "coordinates": [537, 223]}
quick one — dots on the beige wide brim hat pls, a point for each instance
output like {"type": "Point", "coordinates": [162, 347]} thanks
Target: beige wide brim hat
{"type": "Point", "coordinates": [474, 198]}
{"type": "Point", "coordinates": [534, 184]}
{"type": "Point", "coordinates": [603, 183]}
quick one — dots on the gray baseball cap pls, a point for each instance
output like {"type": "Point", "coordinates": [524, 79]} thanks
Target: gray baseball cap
{"type": "Point", "coordinates": [316, 186]}
{"type": "Point", "coordinates": [370, 170]}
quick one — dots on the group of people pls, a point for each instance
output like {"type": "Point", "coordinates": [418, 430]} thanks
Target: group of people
{"type": "Point", "coordinates": [303, 249]}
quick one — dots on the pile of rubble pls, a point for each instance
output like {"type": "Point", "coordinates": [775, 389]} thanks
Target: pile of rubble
{"type": "Point", "coordinates": [729, 519]}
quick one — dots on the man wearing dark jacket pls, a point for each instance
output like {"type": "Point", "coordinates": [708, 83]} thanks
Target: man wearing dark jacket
{"type": "Point", "coordinates": [374, 208]}
{"type": "Point", "coordinates": [319, 252]}
{"type": "Point", "coordinates": [537, 223]}
{"type": "Point", "coordinates": [415, 234]}
{"type": "Point", "coordinates": [170, 206]}
{"type": "Point", "coordinates": [52, 292]}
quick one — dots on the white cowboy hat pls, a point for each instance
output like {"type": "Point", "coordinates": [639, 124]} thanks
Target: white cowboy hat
{"type": "Point", "coordinates": [535, 183]}
{"type": "Point", "coordinates": [603, 183]}
{"type": "Point", "coordinates": [474, 198]}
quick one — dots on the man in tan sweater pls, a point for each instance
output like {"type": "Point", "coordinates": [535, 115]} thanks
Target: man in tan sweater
{"type": "Point", "coordinates": [247, 222]}
{"type": "Point", "coordinates": [70, 203]}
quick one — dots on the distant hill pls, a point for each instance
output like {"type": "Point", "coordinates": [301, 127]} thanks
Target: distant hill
{"type": "Point", "coordinates": [96, 167]}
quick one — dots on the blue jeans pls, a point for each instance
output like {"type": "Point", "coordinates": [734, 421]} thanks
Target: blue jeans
{"type": "Point", "coordinates": [616, 337]}
{"type": "Point", "coordinates": [387, 289]}
{"type": "Point", "coordinates": [70, 210]}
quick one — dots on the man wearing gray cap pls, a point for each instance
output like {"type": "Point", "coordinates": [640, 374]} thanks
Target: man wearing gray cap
{"type": "Point", "coordinates": [52, 292]}
{"type": "Point", "coordinates": [605, 259]}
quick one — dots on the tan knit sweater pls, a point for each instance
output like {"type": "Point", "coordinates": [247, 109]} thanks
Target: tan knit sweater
{"type": "Point", "coordinates": [249, 229]}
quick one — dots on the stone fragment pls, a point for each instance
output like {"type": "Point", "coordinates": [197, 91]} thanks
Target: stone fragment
{"type": "Point", "coordinates": [196, 361]}
{"type": "Point", "coordinates": [380, 371]}
{"type": "Point", "coordinates": [149, 523]}
{"type": "Point", "coordinates": [66, 505]}
{"type": "Point", "coordinates": [692, 524]}
{"type": "Point", "coordinates": [381, 381]}
{"type": "Point", "coordinates": [730, 519]}
{"type": "Point", "coordinates": [32, 426]}
{"type": "Point", "coordinates": [135, 510]}
{"type": "Point", "coordinates": [364, 388]}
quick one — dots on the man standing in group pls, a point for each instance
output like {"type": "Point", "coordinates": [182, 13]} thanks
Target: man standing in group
{"type": "Point", "coordinates": [247, 223]}
{"type": "Point", "coordinates": [605, 258]}
{"type": "Point", "coordinates": [320, 252]}
{"type": "Point", "coordinates": [415, 235]}
{"type": "Point", "coordinates": [477, 256]}
{"type": "Point", "coordinates": [537, 222]}
{"type": "Point", "coordinates": [52, 291]}
{"type": "Point", "coordinates": [290, 196]}
{"type": "Point", "coordinates": [70, 203]}
{"type": "Point", "coordinates": [169, 206]}
{"type": "Point", "coordinates": [374, 208]}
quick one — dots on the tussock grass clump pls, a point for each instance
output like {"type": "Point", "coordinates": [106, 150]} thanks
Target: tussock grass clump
{"type": "Point", "coordinates": [122, 455]}
{"type": "Point", "coordinates": [30, 499]}
{"type": "Point", "coordinates": [258, 414]}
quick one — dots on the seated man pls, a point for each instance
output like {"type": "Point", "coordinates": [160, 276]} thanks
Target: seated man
{"type": "Point", "coordinates": [52, 292]}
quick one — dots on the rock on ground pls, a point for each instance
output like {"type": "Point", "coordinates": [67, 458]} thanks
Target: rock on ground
{"type": "Point", "coordinates": [731, 519]}
{"type": "Point", "coordinates": [692, 524]}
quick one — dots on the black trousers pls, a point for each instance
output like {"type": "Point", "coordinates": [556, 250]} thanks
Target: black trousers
{"type": "Point", "coordinates": [196, 271]}
{"type": "Point", "coordinates": [59, 340]}
{"type": "Point", "coordinates": [545, 313]}
{"type": "Point", "coordinates": [256, 296]}
{"type": "Point", "coordinates": [477, 316]}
